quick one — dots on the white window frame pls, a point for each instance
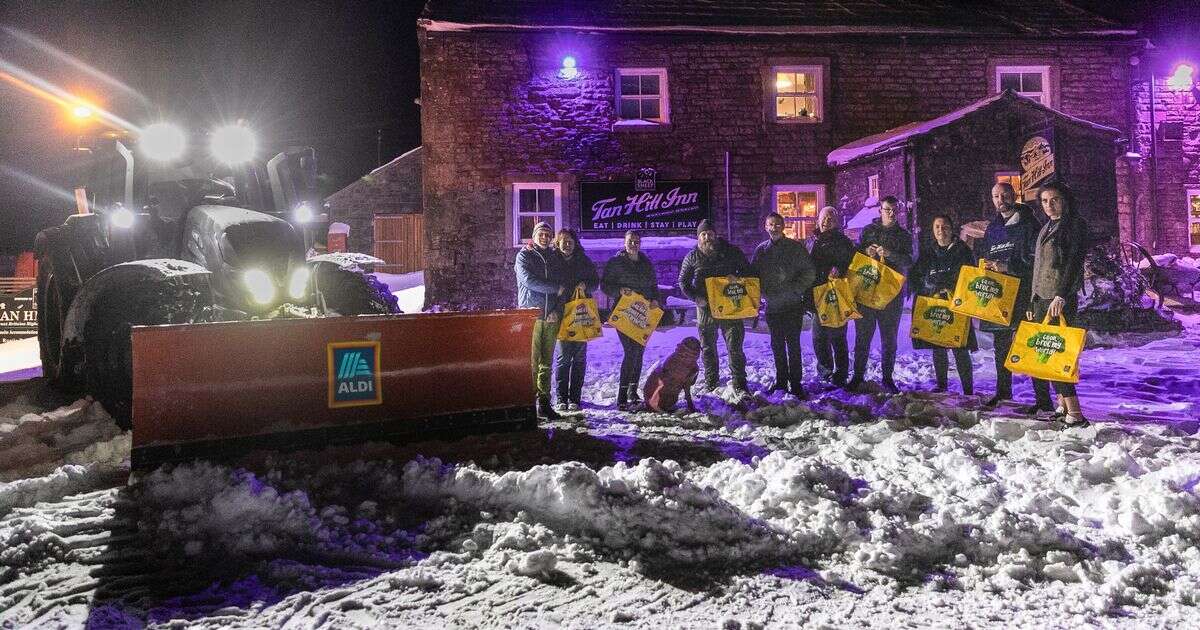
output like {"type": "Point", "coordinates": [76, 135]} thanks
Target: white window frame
{"type": "Point", "coordinates": [1191, 220]}
{"type": "Point", "coordinates": [1044, 97]}
{"type": "Point", "coordinates": [873, 186]}
{"type": "Point", "coordinates": [664, 100]}
{"type": "Point", "coordinates": [818, 73]}
{"type": "Point", "coordinates": [799, 188]}
{"type": "Point", "coordinates": [516, 215]}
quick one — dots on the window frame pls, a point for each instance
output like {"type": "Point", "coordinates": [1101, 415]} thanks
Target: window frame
{"type": "Point", "coordinates": [1191, 220]}
{"type": "Point", "coordinates": [873, 186]}
{"type": "Point", "coordinates": [517, 239]}
{"type": "Point", "coordinates": [664, 97]}
{"type": "Point", "coordinates": [1046, 96]}
{"type": "Point", "coordinates": [818, 72]}
{"type": "Point", "coordinates": [819, 189]}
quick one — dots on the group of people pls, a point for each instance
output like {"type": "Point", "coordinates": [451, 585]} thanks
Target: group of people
{"type": "Point", "coordinates": [1046, 256]}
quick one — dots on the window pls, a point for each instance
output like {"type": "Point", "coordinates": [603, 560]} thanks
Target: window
{"type": "Point", "coordinates": [1194, 220]}
{"type": "Point", "coordinates": [642, 96]}
{"type": "Point", "coordinates": [1012, 178]}
{"type": "Point", "coordinates": [798, 93]}
{"type": "Point", "coordinates": [873, 186]}
{"type": "Point", "coordinates": [799, 205]}
{"type": "Point", "coordinates": [1031, 81]}
{"type": "Point", "coordinates": [532, 203]}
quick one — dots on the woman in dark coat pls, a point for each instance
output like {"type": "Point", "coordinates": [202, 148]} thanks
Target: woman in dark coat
{"type": "Point", "coordinates": [578, 273]}
{"type": "Point", "coordinates": [630, 271]}
{"type": "Point", "coordinates": [937, 270]}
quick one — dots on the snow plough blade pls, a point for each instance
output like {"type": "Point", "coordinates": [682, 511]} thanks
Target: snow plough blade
{"type": "Point", "coordinates": [204, 388]}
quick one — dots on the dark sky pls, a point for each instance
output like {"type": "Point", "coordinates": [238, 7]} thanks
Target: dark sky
{"type": "Point", "coordinates": [325, 74]}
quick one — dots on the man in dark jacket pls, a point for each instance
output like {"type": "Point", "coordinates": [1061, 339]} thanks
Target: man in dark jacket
{"type": "Point", "coordinates": [891, 244]}
{"type": "Point", "coordinates": [579, 274]}
{"type": "Point", "coordinates": [831, 253]}
{"type": "Point", "coordinates": [786, 274]}
{"type": "Point", "coordinates": [714, 257]}
{"type": "Point", "coordinates": [539, 285]}
{"type": "Point", "coordinates": [1007, 246]}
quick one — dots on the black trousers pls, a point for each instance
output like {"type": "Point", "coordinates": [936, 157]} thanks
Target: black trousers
{"type": "Point", "coordinates": [734, 332]}
{"type": "Point", "coordinates": [1041, 389]}
{"type": "Point", "coordinates": [887, 320]}
{"type": "Point", "coordinates": [631, 368]}
{"type": "Point", "coordinates": [785, 330]}
{"type": "Point", "coordinates": [962, 365]}
{"type": "Point", "coordinates": [833, 352]}
{"type": "Point", "coordinates": [1001, 342]}
{"type": "Point", "coordinates": [569, 370]}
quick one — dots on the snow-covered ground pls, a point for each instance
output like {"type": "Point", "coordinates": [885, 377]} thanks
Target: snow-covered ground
{"type": "Point", "coordinates": [845, 511]}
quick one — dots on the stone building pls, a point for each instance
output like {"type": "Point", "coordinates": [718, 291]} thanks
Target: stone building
{"type": "Point", "coordinates": [575, 112]}
{"type": "Point", "coordinates": [383, 210]}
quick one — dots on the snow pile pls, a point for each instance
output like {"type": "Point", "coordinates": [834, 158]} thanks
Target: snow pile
{"type": "Point", "coordinates": [33, 443]}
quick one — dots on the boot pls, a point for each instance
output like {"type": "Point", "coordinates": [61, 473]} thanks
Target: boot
{"type": "Point", "coordinates": [545, 411]}
{"type": "Point", "coordinates": [632, 396]}
{"type": "Point", "coordinates": [622, 397]}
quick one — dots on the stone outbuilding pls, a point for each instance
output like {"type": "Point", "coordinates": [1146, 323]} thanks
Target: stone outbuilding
{"type": "Point", "coordinates": [384, 211]}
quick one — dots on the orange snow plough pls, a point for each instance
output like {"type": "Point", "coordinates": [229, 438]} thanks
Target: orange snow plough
{"type": "Point", "coordinates": [204, 387]}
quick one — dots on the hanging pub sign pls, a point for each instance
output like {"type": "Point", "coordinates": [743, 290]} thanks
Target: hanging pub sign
{"type": "Point", "coordinates": [647, 180]}
{"type": "Point", "coordinates": [669, 205]}
{"type": "Point", "coordinates": [18, 315]}
{"type": "Point", "coordinates": [1037, 161]}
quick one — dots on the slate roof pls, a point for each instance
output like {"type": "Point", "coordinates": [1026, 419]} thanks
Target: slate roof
{"type": "Point", "coordinates": [871, 145]}
{"type": "Point", "coordinates": [1008, 18]}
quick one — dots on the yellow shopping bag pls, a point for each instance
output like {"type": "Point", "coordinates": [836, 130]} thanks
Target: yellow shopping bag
{"type": "Point", "coordinates": [987, 295]}
{"type": "Point", "coordinates": [935, 322]}
{"type": "Point", "coordinates": [1047, 351]}
{"type": "Point", "coordinates": [732, 300]}
{"type": "Point", "coordinates": [581, 319]}
{"type": "Point", "coordinates": [875, 284]}
{"type": "Point", "coordinates": [834, 301]}
{"type": "Point", "coordinates": [635, 318]}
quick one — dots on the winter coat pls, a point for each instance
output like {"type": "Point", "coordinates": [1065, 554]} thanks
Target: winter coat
{"type": "Point", "coordinates": [1058, 258]}
{"type": "Point", "coordinates": [831, 249]}
{"type": "Point", "coordinates": [637, 275]}
{"type": "Point", "coordinates": [725, 260]}
{"type": "Point", "coordinates": [579, 268]}
{"type": "Point", "coordinates": [539, 278]}
{"type": "Point", "coordinates": [894, 238]}
{"type": "Point", "coordinates": [1012, 245]}
{"type": "Point", "coordinates": [937, 270]}
{"type": "Point", "coordinates": [786, 274]}
{"type": "Point", "coordinates": [668, 379]}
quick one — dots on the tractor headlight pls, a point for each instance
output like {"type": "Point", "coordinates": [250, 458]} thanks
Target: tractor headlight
{"type": "Point", "coordinates": [162, 142]}
{"type": "Point", "coordinates": [304, 213]}
{"type": "Point", "coordinates": [121, 218]}
{"type": "Point", "coordinates": [261, 288]}
{"type": "Point", "coordinates": [233, 144]}
{"type": "Point", "coordinates": [298, 283]}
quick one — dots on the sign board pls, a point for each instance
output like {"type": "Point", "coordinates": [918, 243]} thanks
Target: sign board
{"type": "Point", "coordinates": [18, 315]}
{"type": "Point", "coordinates": [670, 205]}
{"type": "Point", "coordinates": [1037, 162]}
{"type": "Point", "coordinates": [647, 180]}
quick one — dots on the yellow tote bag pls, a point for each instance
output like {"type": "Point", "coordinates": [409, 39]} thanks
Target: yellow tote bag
{"type": "Point", "coordinates": [1047, 351]}
{"type": "Point", "coordinates": [835, 303]}
{"type": "Point", "coordinates": [874, 283]}
{"type": "Point", "coordinates": [733, 300]}
{"type": "Point", "coordinates": [635, 318]}
{"type": "Point", "coordinates": [987, 295]}
{"type": "Point", "coordinates": [935, 322]}
{"type": "Point", "coordinates": [581, 319]}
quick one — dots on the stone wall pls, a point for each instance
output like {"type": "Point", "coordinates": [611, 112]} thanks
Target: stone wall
{"type": "Point", "coordinates": [1164, 228]}
{"type": "Point", "coordinates": [394, 188]}
{"type": "Point", "coordinates": [495, 111]}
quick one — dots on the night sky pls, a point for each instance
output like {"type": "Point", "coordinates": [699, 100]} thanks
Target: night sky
{"type": "Point", "coordinates": [326, 74]}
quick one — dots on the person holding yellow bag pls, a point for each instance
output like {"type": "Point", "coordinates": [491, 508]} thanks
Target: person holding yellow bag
{"type": "Point", "coordinates": [578, 274]}
{"type": "Point", "coordinates": [887, 242]}
{"type": "Point", "coordinates": [630, 271]}
{"type": "Point", "coordinates": [714, 257]}
{"type": "Point", "coordinates": [1057, 279]}
{"type": "Point", "coordinates": [831, 253]}
{"type": "Point", "coordinates": [936, 271]}
{"type": "Point", "coordinates": [786, 274]}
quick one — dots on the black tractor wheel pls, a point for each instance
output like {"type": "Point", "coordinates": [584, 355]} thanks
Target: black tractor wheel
{"type": "Point", "coordinates": [352, 293]}
{"type": "Point", "coordinates": [52, 312]}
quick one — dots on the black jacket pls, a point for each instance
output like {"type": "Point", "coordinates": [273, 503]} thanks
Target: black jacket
{"type": "Point", "coordinates": [725, 260]}
{"type": "Point", "coordinates": [622, 273]}
{"type": "Point", "coordinates": [579, 268]}
{"type": "Point", "coordinates": [786, 274]}
{"type": "Point", "coordinates": [1012, 245]}
{"type": "Point", "coordinates": [896, 239]}
{"type": "Point", "coordinates": [937, 269]}
{"type": "Point", "coordinates": [831, 249]}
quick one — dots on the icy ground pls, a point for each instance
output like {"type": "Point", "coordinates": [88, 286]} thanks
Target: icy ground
{"type": "Point", "coordinates": [846, 511]}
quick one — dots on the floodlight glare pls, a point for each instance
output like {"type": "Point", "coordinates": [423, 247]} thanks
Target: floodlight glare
{"type": "Point", "coordinates": [1182, 78]}
{"type": "Point", "coordinates": [162, 142]}
{"type": "Point", "coordinates": [233, 144]}
{"type": "Point", "coordinates": [304, 213]}
{"type": "Point", "coordinates": [121, 218]}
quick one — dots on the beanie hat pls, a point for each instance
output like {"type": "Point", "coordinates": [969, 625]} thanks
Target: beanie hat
{"type": "Point", "coordinates": [542, 225]}
{"type": "Point", "coordinates": [705, 226]}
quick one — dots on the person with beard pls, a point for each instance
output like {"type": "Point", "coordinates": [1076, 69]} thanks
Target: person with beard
{"type": "Point", "coordinates": [786, 273]}
{"type": "Point", "coordinates": [935, 271]}
{"type": "Point", "coordinates": [887, 242]}
{"type": "Point", "coordinates": [630, 271]}
{"type": "Point", "coordinates": [539, 285]}
{"type": "Point", "coordinates": [579, 274]}
{"type": "Point", "coordinates": [1007, 247]}
{"type": "Point", "coordinates": [714, 257]}
{"type": "Point", "coordinates": [831, 254]}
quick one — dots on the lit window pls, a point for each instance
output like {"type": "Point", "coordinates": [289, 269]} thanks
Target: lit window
{"type": "Point", "coordinates": [642, 96]}
{"type": "Point", "coordinates": [873, 186]}
{"type": "Point", "coordinates": [1194, 220]}
{"type": "Point", "coordinates": [798, 204]}
{"type": "Point", "coordinates": [1013, 179]}
{"type": "Point", "coordinates": [533, 203]}
{"type": "Point", "coordinates": [1031, 81]}
{"type": "Point", "coordinates": [798, 93]}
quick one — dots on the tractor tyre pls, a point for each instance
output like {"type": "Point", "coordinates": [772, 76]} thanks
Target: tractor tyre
{"type": "Point", "coordinates": [52, 308]}
{"type": "Point", "coordinates": [349, 292]}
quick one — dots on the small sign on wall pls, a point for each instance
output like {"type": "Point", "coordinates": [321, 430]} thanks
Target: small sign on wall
{"type": "Point", "coordinates": [1037, 162]}
{"type": "Point", "coordinates": [669, 206]}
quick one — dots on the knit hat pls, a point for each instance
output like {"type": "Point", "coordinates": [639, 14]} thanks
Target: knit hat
{"type": "Point", "coordinates": [705, 226]}
{"type": "Point", "coordinates": [542, 225]}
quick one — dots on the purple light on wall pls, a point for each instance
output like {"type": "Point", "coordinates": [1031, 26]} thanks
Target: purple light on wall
{"type": "Point", "coordinates": [568, 70]}
{"type": "Point", "coordinates": [1182, 78]}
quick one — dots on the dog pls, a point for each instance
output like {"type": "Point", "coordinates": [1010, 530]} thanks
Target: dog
{"type": "Point", "coordinates": [674, 375]}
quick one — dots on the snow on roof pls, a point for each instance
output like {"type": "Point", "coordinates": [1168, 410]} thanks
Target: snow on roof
{"type": "Point", "coordinates": [864, 218]}
{"type": "Point", "coordinates": [375, 171]}
{"type": "Point", "coordinates": [871, 145]}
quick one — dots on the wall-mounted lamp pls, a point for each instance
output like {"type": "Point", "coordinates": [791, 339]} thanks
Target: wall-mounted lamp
{"type": "Point", "coordinates": [568, 70]}
{"type": "Point", "coordinates": [1182, 78]}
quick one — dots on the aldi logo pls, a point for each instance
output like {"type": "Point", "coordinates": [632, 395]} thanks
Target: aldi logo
{"type": "Point", "coordinates": [354, 378]}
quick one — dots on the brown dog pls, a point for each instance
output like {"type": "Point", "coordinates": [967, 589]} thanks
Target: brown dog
{"type": "Point", "coordinates": [674, 375]}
